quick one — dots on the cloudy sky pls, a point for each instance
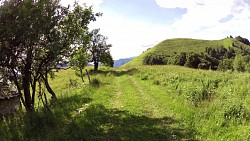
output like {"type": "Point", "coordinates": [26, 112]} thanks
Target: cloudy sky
{"type": "Point", "coordinates": [132, 26]}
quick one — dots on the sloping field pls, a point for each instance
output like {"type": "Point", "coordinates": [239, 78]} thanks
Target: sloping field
{"type": "Point", "coordinates": [170, 46]}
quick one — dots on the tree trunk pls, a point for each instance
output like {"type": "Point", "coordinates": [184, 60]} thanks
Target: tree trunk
{"type": "Point", "coordinates": [26, 83]}
{"type": "Point", "coordinates": [88, 75]}
{"type": "Point", "coordinates": [26, 91]}
{"type": "Point", "coordinates": [33, 90]}
{"type": "Point", "coordinates": [15, 79]}
{"type": "Point", "coordinates": [81, 75]}
{"type": "Point", "coordinates": [95, 66]}
{"type": "Point", "coordinates": [49, 89]}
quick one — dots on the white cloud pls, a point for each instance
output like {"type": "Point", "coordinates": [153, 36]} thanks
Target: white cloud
{"type": "Point", "coordinates": [129, 38]}
{"type": "Point", "coordinates": [202, 20]}
{"type": "Point", "coordinates": [203, 16]}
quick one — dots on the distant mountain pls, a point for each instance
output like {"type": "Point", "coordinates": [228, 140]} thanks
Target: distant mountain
{"type": "Point", "coordinates": [120, 62]}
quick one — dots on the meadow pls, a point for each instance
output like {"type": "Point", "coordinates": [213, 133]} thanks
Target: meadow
{"type": "Point", "coordinates": [141, 103]}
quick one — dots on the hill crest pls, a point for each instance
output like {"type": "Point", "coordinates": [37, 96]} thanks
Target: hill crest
{"type": "Point", "coordinates": [178, 45]}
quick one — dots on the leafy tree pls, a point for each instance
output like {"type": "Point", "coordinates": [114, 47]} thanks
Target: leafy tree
{"type": "Point", "coordinates": [239, 64]}
{"type": "Point", "coordinates": [79, 61]}
{"type": "Point", "coordinates": [35, 37]}
{"type": "Point", "coordinates": [107, 59]}
{"type": "Point", "coordinates": [98, 48]}
{"type": "Point", "coordinates": [193, 60]}
{"type": "Point", "coordinates": [225, 64]}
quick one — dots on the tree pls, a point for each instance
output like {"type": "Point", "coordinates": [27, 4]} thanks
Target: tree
{"type": "Point", "coordinates": [243, 40]}
{"type": "Point", "coordinates": [98, 48]}
{"type": "Point", "coordinates": [107, 59]}
{"type": "Point", "coordinates": [35, 37]}
{"type": "Point", "coordinates": [79, 61]}
{"type": "Point", "coordinates": [239, 64]}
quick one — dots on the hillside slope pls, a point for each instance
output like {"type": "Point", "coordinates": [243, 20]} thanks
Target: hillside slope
{"type": "Point", "coordinates": [179, 45]}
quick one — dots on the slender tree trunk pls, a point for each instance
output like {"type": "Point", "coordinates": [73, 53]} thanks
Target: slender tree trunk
{"type": "Point", "coordinates": [81, 75]}
{"type": "Point", "coordinates": [95, 66]}
{"type": "Point", "coordinates": [26, 91]}
{"type": "Point", "coordinates": [88, 76]}
{"type": "Point", "coordinates": [49, 89]}
{"type": "Point", "coordinates": [18, 88]}
{"type": "Point", "coordinates": [33, 90]}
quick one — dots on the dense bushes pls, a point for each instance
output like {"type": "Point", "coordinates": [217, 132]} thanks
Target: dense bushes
{"type": "Point", "coordinates": [152, 59]}
{"type": "Point", "coordinates": [243, 40]}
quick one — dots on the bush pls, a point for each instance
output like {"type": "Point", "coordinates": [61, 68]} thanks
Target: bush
{"type": "Point", "coordinates": [239, 64]}
{"type": "Point", "coordinates": [192, 60]}
{"type": "Point", "coordinates": [154, 59]}
{"type": "Point", "coordinates": [95, 82]}
{"type": "Point", "coordinates": [226, 64]}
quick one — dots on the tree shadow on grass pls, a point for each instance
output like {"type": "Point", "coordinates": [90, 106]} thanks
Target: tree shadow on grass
{"type": "Point", "coordinates": [43, 124]}
{"type": "Point", "coordinates": [96, 123]}
{"type": "Point", "coordinates": [99, 123]}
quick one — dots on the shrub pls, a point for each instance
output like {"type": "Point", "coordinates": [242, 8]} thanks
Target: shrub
{"type": "Point", "coordinates": [192, 60]}
{"type": "Point", "coordinates": [226, 64]}
{"type": "Point", "coordinates": [95, 82]}
{"type": "Point", "coordinates": [239, 64]}
{"type": "Point", "coordinates": [154, 59]}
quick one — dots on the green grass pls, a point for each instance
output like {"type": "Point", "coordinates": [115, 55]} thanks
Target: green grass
{"type": "Point", "coordinates": [178, 45]}
{"type": "Point", "coordinates": [143, 103]}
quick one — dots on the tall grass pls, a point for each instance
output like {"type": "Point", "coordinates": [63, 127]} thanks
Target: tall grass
{"type": "Point", "coordinates": [216, 102]}
{"type": "Point", "coordinates": [144, 103]}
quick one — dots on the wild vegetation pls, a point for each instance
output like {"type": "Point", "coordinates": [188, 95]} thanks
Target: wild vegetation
{"type": "Point", "coordinates": [213, 56]}
{"type": "Point", "coordinates": [37, 36]}
{"type": "Point", "coordinates": [144, 103]}
{"type": "Point", "coordinates": [151, 98]}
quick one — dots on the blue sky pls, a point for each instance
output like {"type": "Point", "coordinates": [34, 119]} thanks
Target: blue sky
{"type": "Point", "coordinates": [132, 26]}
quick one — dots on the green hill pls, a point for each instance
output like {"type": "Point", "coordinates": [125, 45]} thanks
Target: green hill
{"type": "Point", "coordinates": [178, 45]}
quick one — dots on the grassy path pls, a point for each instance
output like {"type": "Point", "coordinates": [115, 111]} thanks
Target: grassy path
{"type": "Point", "coordinates": [130, 95]}
{"type": "Point", "coordinates": [133, 95]}
{"type": "Point", "coordinates": [116, 102]}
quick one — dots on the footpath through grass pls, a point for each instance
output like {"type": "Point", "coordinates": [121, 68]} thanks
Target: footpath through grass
{"type": "Point", "coordinates": [144, 103]}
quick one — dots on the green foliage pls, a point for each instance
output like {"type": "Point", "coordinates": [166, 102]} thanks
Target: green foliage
{"type": "Point", "coordinates": [152, 59]}
{"type": "Point", "coordinates": [107, 59]}
{"type": "Point", "coordinates": [219, 58]}
{"type": "Point", "coordinates": [99, 49]}
{"type": "Point", "coordinates": [174, 103]}
{"type": "Point", "coordinates": [239, 64]}
{"type": "Point", "coordinates": [95, 82]}
{"type": "Point", "coordinates": [243, 40]}
{"type": "Point", "coordinates": [35, 37]}
{"type": "Point", "coordinates": [176, 52]}
{"type": "Point", "coordinates": [79, 61]}
{"type": "Point", "coordinates": [226, 64]}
